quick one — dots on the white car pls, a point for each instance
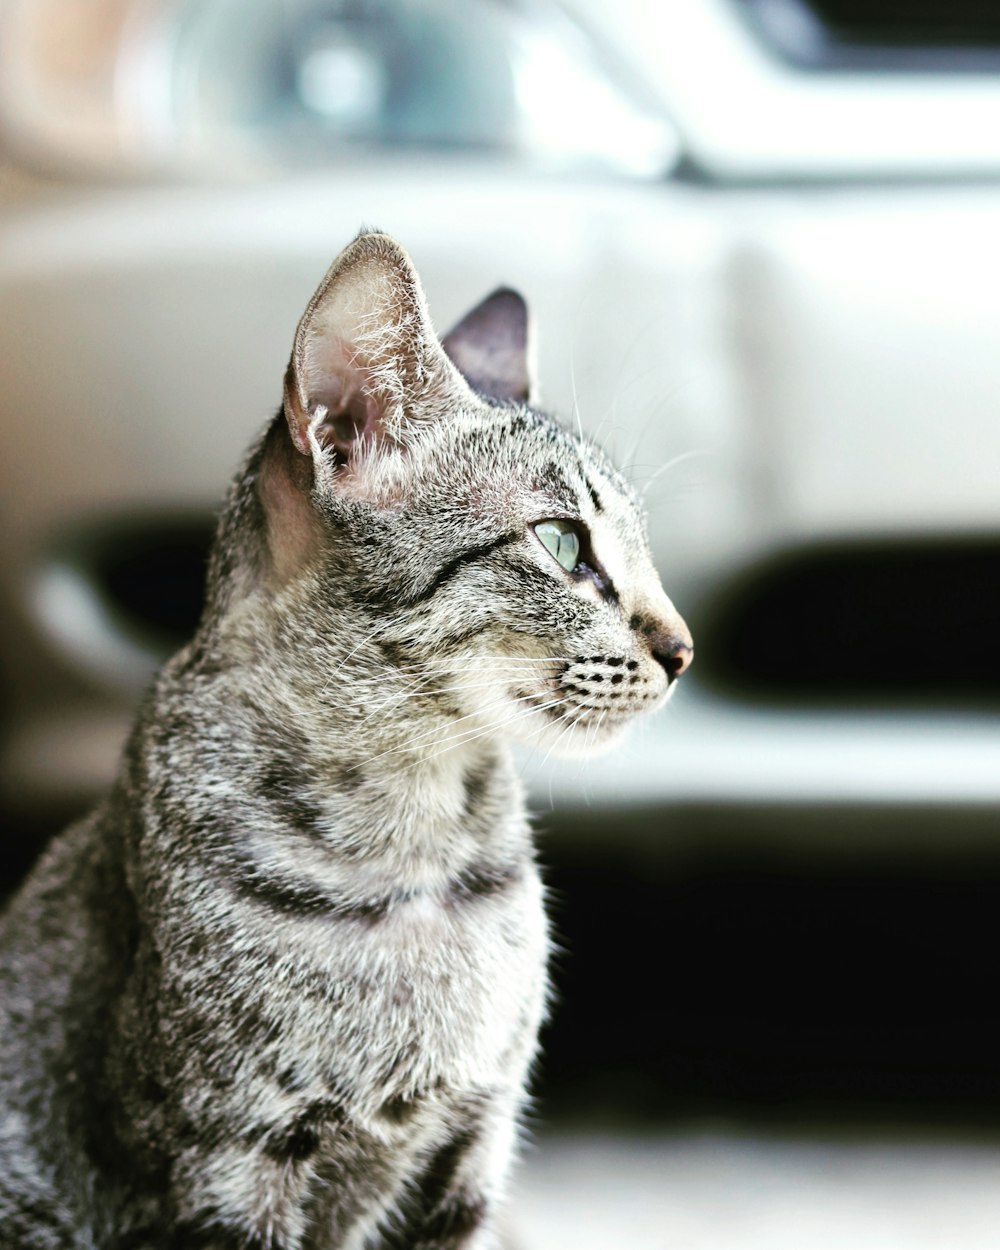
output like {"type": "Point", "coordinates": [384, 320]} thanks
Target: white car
{"type": "Point", "coordinates": [774, 294]}
{"type": "Point", "coordinates": [765, 275]}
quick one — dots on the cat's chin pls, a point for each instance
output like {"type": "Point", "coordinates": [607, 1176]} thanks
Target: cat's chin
{"type": "Point", "coordinates": [577, 742]}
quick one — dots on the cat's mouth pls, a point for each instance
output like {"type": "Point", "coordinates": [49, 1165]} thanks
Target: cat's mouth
{"type": "Point", "coordinates": [571, 721]}
{"type": "Point", "coordinates": [573, 705]}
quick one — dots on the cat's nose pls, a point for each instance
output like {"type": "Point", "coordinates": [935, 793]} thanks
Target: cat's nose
{"type": "Point", "coordinates": [673, 651]}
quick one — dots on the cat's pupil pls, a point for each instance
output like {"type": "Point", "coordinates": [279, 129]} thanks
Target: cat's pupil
{"type": "Point", "coordinates": [561, 541]}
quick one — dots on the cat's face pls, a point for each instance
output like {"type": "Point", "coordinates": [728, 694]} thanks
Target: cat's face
{"type": "Point", "coordinates": [501, 561]}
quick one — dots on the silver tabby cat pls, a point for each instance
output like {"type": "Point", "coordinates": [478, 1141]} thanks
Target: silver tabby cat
{"type": "Point", "coordinates": [282, 988]}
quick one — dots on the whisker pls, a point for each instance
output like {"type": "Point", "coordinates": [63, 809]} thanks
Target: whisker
{"type": "Point", "coordinates": [517, 715]}
{"type": "Point", "coordinates": [473, 663]}
{"type": "Point", "coordinates": [417, 683]}
{"type": "Point", "coordinates": [566, 730]}
{"type": "Point", "coordinates": [379, 628]}
{"type": "Point", "coordinates": [670, 464]}
{"type": "Point", "coordinates": [572, 382]}
{"type": "Point", "coordinates": [595, 728]}
{"type": "Point", "coordinates": [436, 729]}
{"type": "Point", "coordinates": [472, 735]}
{"type": "Point", "coordinates": [425, 687]}
{"type": "Point", "coordinates": [397, 699]}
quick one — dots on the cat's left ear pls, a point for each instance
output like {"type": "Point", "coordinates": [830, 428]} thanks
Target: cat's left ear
{"type": "Point", "coordinates": [366, 366]}
{"type": "Point", "coordinates": [493, 348]}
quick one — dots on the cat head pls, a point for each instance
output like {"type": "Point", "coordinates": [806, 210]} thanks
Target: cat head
{"type": "Point", "coordinates": [484, 555]}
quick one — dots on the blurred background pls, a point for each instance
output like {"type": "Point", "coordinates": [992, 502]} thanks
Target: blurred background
{"type": "Point", "coordinates": [761, 241]}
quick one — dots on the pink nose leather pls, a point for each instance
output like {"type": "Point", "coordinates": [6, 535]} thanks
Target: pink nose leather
{"type": "Point", "coordinates": [674, 654]}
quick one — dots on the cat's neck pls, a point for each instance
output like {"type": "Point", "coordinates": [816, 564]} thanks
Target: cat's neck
{"type": "Point", "coordinates": [412, 789]}
{"type": "Point", "coordinates": [349, 735]}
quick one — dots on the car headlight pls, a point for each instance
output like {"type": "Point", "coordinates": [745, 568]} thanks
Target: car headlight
{"type": "Point", "coordinates": [223, 86]}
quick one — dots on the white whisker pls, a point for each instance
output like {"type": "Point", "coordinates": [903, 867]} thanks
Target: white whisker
{"type": "Point", "coordinates": [568, 727]}
{"type": "Point", "coordinates": [397, 699]}
{"type": "Point", "coordinates": [572, 382]}
{"type": "Point", "coordinates": [473, 663]}
{"type": "Point", "coordinates": [382, 625]}
{"type": "Point", "coordinates": [471, 735]}
{"type": "Point", "coordinates": [436, 729]}
{"type": "Point", "coordinates": [670, 464]}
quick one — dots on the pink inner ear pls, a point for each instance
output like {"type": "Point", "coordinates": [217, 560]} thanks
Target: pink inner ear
{"type": "Point", "coordinates": [349, 426]}
{"type": "Point", "coordinates": [351, 419]}
{"type": "Point", "coordinates": [490, 347]}
{"type": "Point", "coordinates": [285, 481]}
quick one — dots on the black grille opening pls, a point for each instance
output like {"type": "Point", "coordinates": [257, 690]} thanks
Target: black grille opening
{"type": "Point", "coordinates": [149, 571]}
{"type": "Point", "coordinates": [155, 575]}
{"type": "Point", "coordinates": [901, 623]}
{"type": "Point", "coordinates": [752, 961]}
{"type": "Point", "coordinates": [907, 36]}
{"type": "Point", "coordinates": [928, 23]}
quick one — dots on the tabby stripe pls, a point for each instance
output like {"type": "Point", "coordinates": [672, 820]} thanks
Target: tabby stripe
{"type": "Point", "coordinates": [450, 1216]}
{"type": "Point", "coordinates": [296, 898]}
{"type": "Point", "coordinates": [452, 1223]}
{"type": "Point", "coordinates": [594, 496]}
{"type": "Point", "coordinates": [441, 1214]}
{"type": "Point", "coordinates": [484, 880]}
{"type": "Point", "coordinates": [477, 785]}
{"type": "Point", "coordinates": [303, 899]}
{"type": "Point", "coordinates": [552, 480]}
{"type": "Point", "coordinates": [448, 571]}
{"type": "Point", "coordinates": [28, 1217]}
{"type": "Point", "coordinates": [298, 1140]}
{"type": "Point", "coordinates": [460, 636]}
{"type": "Point", "coordinates": [217, 1235]}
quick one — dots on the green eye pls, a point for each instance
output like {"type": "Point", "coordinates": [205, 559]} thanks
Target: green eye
{"type": "Point", "coordinates": [561, 541]}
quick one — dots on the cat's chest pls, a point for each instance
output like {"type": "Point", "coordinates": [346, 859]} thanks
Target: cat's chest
{"type": "Point", "coordinates": [440, 990]}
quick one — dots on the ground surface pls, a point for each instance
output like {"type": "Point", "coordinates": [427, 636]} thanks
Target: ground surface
{"type": "Point", "coordinates": [721, 1191]}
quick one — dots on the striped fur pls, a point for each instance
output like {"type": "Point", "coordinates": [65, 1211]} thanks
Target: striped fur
{"type": "Point", "coordinates": [282, 989]}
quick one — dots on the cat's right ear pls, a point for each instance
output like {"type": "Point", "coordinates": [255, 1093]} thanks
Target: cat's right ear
{"type": "Point", "coordinates": [365, 359]}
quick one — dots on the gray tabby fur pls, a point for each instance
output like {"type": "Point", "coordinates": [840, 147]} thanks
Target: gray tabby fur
{"type": "Point", "coordinates": [282, 988]}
